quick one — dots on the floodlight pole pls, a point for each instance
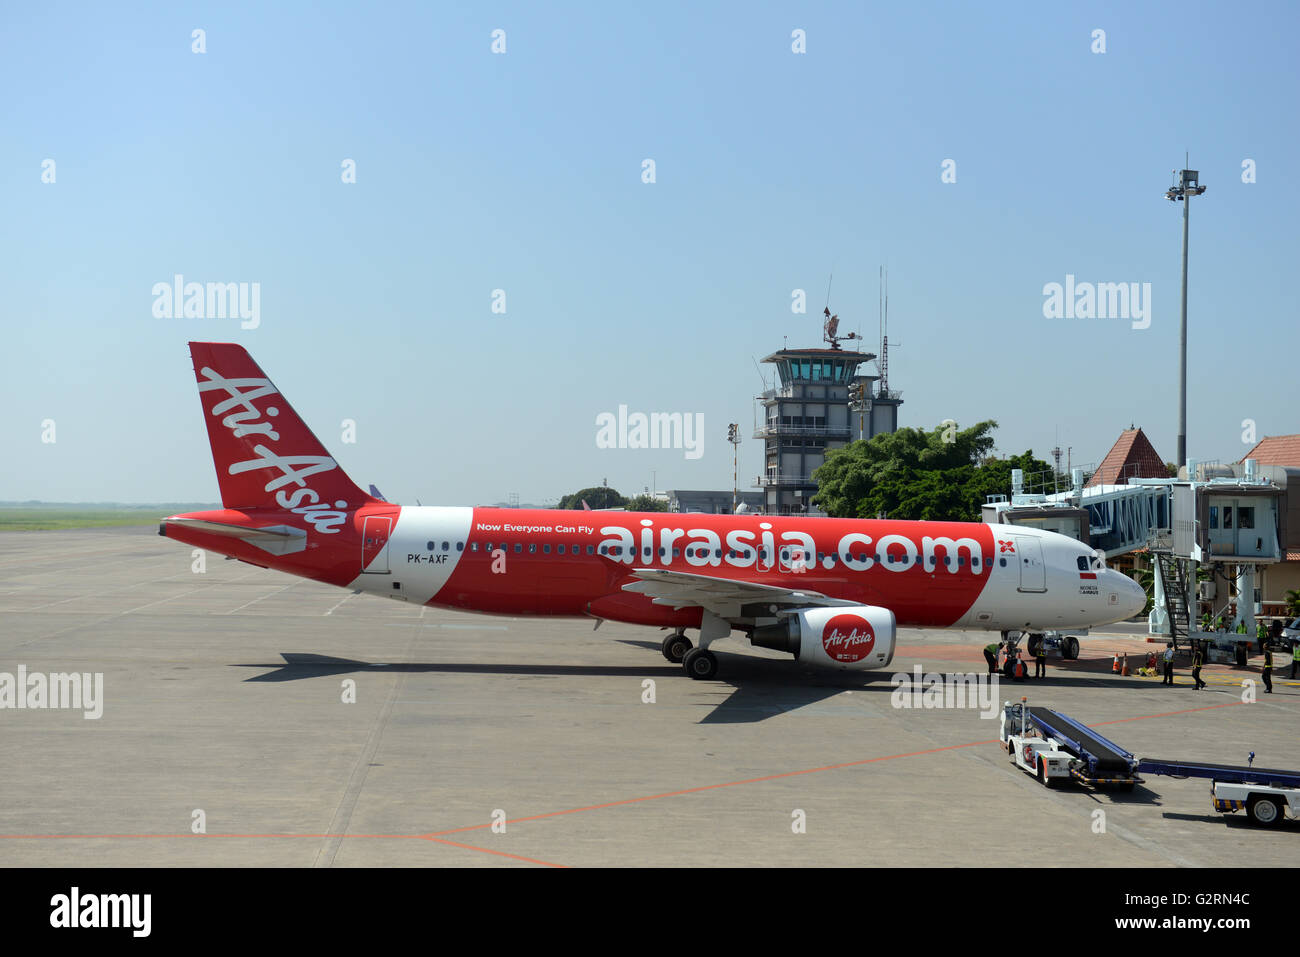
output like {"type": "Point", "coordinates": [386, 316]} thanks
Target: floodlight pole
{"type": "Point", "coordinates": [1186, 187]}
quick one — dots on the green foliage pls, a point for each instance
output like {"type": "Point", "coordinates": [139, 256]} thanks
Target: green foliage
{"type": "Point", "coordinates": [646, 503]}
{"type": "Point", "coordinates": [596, 497]}
{"type": "Point", "coordinates": [915, 474]}
{"type": "Point", "coordinates": [1292, 597]}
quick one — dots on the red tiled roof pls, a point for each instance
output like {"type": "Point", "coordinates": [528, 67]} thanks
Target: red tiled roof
{"type": "Point", "coordinates": [1132, 456]}
{"type": "Point", "coordinates": [1276, 450]}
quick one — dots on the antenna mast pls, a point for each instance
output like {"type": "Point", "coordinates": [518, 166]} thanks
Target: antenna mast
{"type": "Point", "coordinates": [884, 332]}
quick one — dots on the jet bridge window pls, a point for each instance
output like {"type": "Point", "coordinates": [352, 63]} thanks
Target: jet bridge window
{"type": "Point", "coordinates": [1246, 516]}
{"type": "Point", "coordinates": [1227, 516]}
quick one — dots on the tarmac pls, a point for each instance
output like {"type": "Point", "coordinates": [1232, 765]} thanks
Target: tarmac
{"type": "Point", "coordinates": [483, 741]}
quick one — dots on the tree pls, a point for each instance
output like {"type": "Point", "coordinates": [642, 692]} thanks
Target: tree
{"type": "Point", "coordinates": [646, 503]}
{"type": "Point", "coordinates": [940, 475]}
{"type": "Point", "coordinates": [1292, 602]}
{"type": "Point", "coordinates": [597, 497]}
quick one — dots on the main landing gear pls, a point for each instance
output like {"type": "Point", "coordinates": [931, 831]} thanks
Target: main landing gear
{"type": "Point", "coordinates": [700, 663]}
{"type": "Point", "coordinates": [676, 646]}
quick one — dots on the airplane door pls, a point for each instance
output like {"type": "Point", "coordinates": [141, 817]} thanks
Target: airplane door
{"type": "Point", "coordinates": [374, 545]}
{"type": "Point", "coordinates": [1033, 573]}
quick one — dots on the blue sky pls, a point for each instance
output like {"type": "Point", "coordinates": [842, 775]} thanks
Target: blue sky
{"type": "Point", "coordinates": [522, 171]}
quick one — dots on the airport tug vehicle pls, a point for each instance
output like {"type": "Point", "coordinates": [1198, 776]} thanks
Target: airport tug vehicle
{"type": "Point", "coordinates": [1054, 747]}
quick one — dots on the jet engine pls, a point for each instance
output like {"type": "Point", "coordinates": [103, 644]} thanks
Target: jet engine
{"type": "Point", "coordinates": [849, 637]}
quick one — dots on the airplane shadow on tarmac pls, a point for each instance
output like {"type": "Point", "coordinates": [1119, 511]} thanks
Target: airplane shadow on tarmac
{"type": "Point", "coordinates": [760, 688]}
{"type": "Point", "coordinates": [749, 689]}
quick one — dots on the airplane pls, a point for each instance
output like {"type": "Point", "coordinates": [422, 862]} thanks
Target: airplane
{"type": "Point", "coordinates": [831, 592]}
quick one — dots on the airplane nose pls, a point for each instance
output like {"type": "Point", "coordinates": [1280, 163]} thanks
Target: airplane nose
{"type": "Point", "coordinates": [1136, 597]}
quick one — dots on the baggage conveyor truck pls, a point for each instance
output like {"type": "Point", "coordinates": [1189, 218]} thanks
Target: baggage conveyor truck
{"type": "Point", "coordinates": [1054, 747]}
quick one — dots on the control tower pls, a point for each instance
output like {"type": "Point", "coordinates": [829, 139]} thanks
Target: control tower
{"type": "Point", "coordinates": [821, 402]}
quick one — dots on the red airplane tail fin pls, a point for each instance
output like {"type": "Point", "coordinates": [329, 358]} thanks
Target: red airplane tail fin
{"type": "Point", "coordinates": [265, 455]}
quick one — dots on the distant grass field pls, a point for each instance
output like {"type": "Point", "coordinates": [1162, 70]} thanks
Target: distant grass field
{"type": "Point", "coordinates": [51, 517]}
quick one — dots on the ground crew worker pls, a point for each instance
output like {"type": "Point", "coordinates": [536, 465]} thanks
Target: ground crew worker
{"type": "Point", "coordinates": [1268, 669]}
{"type": "Point", "coordinates": [991, 656]}
{"type": "Point", "coordinates": [1205, 621]}
{"type": "Point", "coordinates": [1295, 657]}
{"type": "Point", "coordinates": [1169, 665]}
{"type": "Point", "coordinates": [1241, 627]}
{"type": "Point", "coordinates": [1198, 659]}
{"type": "Point", "coordinates": [1261, 635]}
{"type": "Point", "coordinates": [1040, 660]}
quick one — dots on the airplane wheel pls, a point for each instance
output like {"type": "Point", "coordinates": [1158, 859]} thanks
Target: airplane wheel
{"type": "Point", "coordinates": [1070, 648]}
{"type": "Point", "coordinates": [675, 647]}
{"type": "Point", "coordinates": [1264, 811]}
{"type": "Point", "coordinates": [700, 664]}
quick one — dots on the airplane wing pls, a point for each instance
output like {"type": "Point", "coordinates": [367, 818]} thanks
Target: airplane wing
{"type": "Point", "coordinates": [722, 596]}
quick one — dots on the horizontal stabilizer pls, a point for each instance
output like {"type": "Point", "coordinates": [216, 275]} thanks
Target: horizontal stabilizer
{"type": "Point", "coordinates": [273, 539]}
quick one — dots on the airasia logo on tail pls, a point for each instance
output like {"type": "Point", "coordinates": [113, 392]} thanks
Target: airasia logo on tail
{"type": "Point", "coordinates": [848, 638]}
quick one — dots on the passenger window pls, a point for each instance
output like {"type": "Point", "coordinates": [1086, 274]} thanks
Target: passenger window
{"type": "Point", "coordinates": [446, 546]}
{"type": "Point", "coordinates": [518, 548]}
{"type": "Point", "coordinates": [591, 549]}
{"type": "Point", "coordinates": [460, 546]}
{"type": "Point", "coordinates": [1002, 562]}
{"type": "Point", "coordinates": [430, 548]}
{"type": "Point", "coordinates": [546, 549]}
{"type": "Point", "coordinates": [532, 548]}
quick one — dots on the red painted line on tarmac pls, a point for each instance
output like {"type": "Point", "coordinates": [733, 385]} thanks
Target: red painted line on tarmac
{"type": "Point", "coordinates": [471, 847]}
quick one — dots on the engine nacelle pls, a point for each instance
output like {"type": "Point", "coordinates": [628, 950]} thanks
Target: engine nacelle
{"type": "Point", "coordinates": [850, 637]}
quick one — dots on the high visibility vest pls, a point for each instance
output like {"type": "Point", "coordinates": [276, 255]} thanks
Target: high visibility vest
{"type": "Point", "coordinates": [1295, 651]}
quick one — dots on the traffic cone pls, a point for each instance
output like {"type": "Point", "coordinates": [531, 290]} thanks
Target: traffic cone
{"type": "Point", "coordinates": [1114, 667]}
{"type": "Point", "coordinates": [1124, 667]}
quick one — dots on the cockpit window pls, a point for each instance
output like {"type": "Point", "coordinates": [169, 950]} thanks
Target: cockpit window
{"type": "Point", "coordinates": [1083, 563]}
